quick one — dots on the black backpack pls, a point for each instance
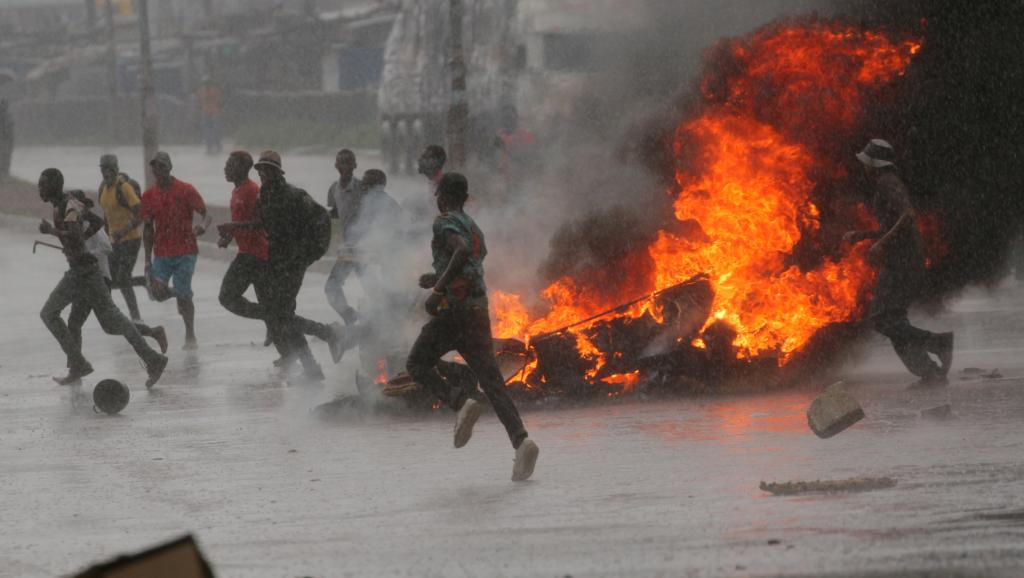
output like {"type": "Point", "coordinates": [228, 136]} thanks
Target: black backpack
{"type": "Point", "coordinates": [318, 220]}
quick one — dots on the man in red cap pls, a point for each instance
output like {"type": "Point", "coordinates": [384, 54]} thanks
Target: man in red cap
{"type": "Point", "coordinates": [899, 251]}
{"type": "Point", "coordinates": [167, 209]}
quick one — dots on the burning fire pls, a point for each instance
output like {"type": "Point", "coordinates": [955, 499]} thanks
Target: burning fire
{"type": "Point", "coordinates": [747, 169]}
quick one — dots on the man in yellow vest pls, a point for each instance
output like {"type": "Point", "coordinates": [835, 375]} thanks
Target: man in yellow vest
{"type": "Point", "coordinates": [119, 198]}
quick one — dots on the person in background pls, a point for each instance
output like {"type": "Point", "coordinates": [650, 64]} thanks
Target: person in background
{"type": "Point", "coordinates": [209, 97]}
{"type": "Point", "coordinates": [431, 165]}
{"type": "Point", "coordinates": [343, 200]}
{"type": "Point", "coordinates": [516, 146]}
{"type": "Point", "coordinates": [119, 198]}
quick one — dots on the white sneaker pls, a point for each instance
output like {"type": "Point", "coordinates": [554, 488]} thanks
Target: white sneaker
{"type": "Point", "coordinates": [465, 421]}
{"type": "Point", "coordinates": [526, 459]}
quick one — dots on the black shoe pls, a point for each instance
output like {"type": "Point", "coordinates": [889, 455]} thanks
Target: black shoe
{"type": "Point", "coordinates": [155, 370]}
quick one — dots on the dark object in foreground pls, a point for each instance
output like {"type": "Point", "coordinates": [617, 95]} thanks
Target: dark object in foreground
{"type": "Point", "coordinates": [833, 411]}
{"type": "Point", "coordinates": [178, 558]}
{"type": "Point", "coordinates": [110, 396]}
{"type": "Point", "coordinates": [36, 244]}
{"type": "Point", "coordinates": [828, 486]}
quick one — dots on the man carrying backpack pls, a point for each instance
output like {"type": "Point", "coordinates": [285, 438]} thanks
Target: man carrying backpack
{"type": "Point", "coordinates": [299, 232]}
{"type": "Point", "coordinates": [119, 195]}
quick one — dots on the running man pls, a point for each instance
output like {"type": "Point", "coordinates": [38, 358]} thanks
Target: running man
{"type": "Point", "coordinates": [83, 282]}
{"type": "Point", "coordinates": [899, 251]}
{"type": "Point", "coordinates": [100, 247]}
{"type": "Point", "coordinates": [343, 201]}
{"type": "Point", "coordinates": [120, 201]}
{"type": "Point", "coordinates": [167, 209]}
{"type": "Point", "coordinates": [298, 231]}
{"type": "Point", "coordinates": [249, 267]}
{"type": "Point", "coordinates": [461, 322]}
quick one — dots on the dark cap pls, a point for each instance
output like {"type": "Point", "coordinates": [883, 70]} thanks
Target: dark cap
{"type": "Point", "coordinates": [162, 158]}
{"type": "Point", "coordinates": [270, 158]}
{"type": "Point", "coordinates": [108, 161]}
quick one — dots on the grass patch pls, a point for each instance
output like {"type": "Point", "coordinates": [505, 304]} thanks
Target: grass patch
{"type": "Point", "coordinates": [285, 134]}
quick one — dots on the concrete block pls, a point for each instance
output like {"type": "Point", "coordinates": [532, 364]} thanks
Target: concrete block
{"type": "Point", "coordinates": [833, 411]}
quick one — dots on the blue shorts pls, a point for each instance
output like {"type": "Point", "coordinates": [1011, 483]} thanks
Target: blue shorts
{"type": "Point", "coordinates": [180, 269]}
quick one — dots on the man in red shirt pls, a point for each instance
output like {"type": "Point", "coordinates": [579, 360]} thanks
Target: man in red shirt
{"type": "Point", "coordinates": [250, 264]}
{"type": "Point", "coordinates": [167, 209]}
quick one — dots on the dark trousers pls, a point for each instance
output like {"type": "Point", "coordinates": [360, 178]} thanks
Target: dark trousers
{"type": "Point", "coordinates": [281, 286]}
{"type": "Point", "coordinates": [86, 285]}
{"type": "Point", "coordinates": [80, 311]}
{"type": "Point", "coordinates": [335, 286]}
{"type": "Point", "coordinates": [122, 261]}
{"type": "Point", "coordinates": [245, 270]}
{"type": "Point", "coordinates": [469, 333]}
{"type": "Point", "coordinates": [894, 293]}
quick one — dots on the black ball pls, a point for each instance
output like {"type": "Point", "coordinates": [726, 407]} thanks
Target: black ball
{"type": "Point", "coordinates": [110, 396]}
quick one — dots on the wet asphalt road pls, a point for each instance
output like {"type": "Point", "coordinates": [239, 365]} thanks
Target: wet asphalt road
{"type": "Point", "coordinates": [223, 448]}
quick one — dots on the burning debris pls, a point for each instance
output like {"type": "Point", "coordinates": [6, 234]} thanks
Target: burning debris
{"type": "Point", "coordinates": [746, 270]}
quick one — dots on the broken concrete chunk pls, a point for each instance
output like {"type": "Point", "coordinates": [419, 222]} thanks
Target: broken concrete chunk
{"type": "Point", "coordinates": [833, 411]}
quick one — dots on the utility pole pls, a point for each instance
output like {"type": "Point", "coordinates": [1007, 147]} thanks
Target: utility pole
{"type": "Point", "coordinates": [458, 110]}
{"type": "Point", "coordinates": [150, 125]}
{"type": "Point", "coordinates": [90, 14]}
{"type": "Point", "coordinates": [111, 69]}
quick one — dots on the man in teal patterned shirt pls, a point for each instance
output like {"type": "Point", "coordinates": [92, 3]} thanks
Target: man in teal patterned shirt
{"type": "Point", "coordinates": [460, 321]}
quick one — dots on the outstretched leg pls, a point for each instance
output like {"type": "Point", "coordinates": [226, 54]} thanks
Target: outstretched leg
{"type": "Point", "coordinates": [94, 290]}
{"type": "Point", "coordinates": [477, 347]}
{"type": "Point", "coordinates": [334, 288]}
{"type": "Point", "coordinates": [63, 295]}
{"type": "Point", "coordinates": [436, 339]}
{"type": "Point", "coordinates": [911, 344]}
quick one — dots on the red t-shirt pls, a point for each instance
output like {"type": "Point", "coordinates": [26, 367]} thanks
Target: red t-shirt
{"type": "Point", "coordinates": [171, 210]}
{"type": "Point", "coordinates": [243, 209]}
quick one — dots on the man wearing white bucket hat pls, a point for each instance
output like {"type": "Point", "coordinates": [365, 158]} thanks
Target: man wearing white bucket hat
{"type": "Point", "coordinates": [899, 251]}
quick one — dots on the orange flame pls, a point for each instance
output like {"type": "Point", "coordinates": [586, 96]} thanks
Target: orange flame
{"type": "Point", "coordinates": [748, 166]}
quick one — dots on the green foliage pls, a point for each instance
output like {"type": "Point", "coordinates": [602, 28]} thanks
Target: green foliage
{"type": "Point", "coordinates": [286, 134]}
